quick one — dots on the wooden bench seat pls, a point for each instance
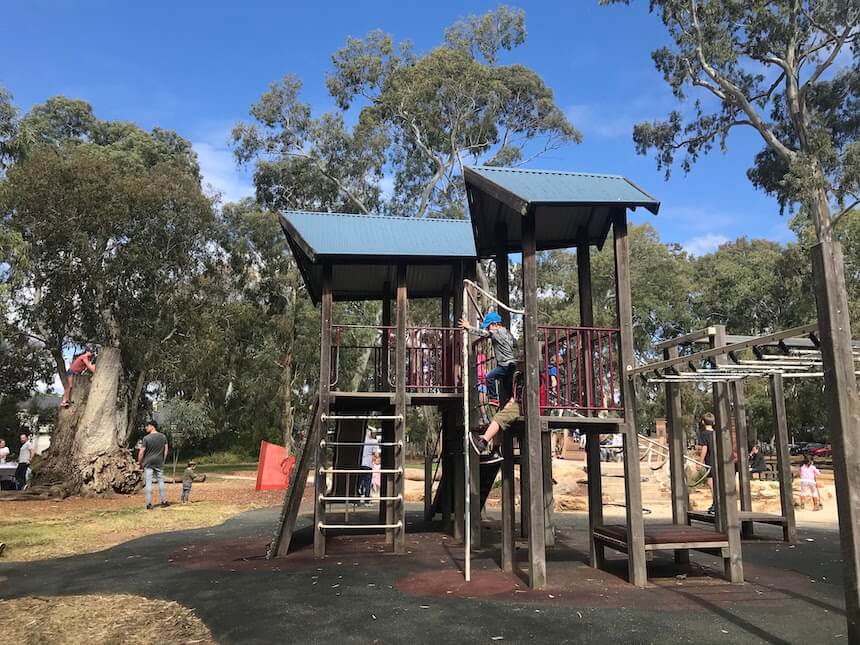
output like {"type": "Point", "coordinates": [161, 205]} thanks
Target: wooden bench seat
{"type": "Point", "coordinates": [666, 537]}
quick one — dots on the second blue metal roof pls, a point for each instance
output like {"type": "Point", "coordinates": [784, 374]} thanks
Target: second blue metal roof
{"type": "Point", "coordinates": [559, 187]}
{"type": "Point", "coordinates": [342, 235]}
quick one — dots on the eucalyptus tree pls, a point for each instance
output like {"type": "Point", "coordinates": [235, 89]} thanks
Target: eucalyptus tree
{"type": "Point", "coordinates": [115, 224]}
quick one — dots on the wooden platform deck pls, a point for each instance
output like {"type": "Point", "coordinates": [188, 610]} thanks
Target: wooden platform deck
{"type": "Point", "coordinates": [663, 537]}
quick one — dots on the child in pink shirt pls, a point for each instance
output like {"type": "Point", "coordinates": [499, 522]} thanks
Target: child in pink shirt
{"type": "Point", "coordinates": [809, 483]}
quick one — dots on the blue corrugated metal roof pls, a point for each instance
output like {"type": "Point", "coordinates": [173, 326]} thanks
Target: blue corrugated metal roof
{"type": "Point", "coordinates": [341, 234]}
{"type": "Point", "coordinates": [557, 187]}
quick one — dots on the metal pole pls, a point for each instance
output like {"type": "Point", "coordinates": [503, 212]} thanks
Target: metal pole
{"type": "Point", "coordinates": [467, 524]}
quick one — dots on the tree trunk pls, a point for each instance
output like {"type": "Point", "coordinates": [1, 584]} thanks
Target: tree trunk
{"type": "Point", "coordinates": [86, 454]}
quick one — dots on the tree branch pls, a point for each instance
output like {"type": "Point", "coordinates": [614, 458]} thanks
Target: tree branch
{"type": "Point", "coordinates": [736, 94]}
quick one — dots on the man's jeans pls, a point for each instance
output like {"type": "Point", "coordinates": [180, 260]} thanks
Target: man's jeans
{"type": "Point", "coordinates": [159, 474]}
{"type": "Point", "coordinates": [505, 374]}
{"type": "Point", "coordinates": [364, 482]}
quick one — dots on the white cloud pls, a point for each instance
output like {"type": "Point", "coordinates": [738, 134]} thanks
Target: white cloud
{"type": "Point", "coordinates": [592, 120]}
{"type": "Point", "coordinates": [220, 171]}
{"type": "Point", "coordinates": [704, 244]}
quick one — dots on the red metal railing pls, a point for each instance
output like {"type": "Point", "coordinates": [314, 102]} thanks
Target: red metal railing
{"type": "Point", "coordinates": [433, 359]}
{"type": "Point", "coordinates": [359, 358]}
{"type": "Point", "coordinates": [584, 362]}
{"type": "Point", "coordinates": [363, 358]}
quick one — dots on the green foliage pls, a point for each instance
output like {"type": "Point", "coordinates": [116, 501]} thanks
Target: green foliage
{"type": "Point", "coordinates": [421, 117]}
{"type": "Point", "coordinates": [770, 65]}
{"type": "Point", "coordinates": [187, 423]}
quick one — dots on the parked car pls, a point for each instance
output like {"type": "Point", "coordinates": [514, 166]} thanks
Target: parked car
{"type": "Point", "coordinates": [809, 447]}
{"type": "Point", "coordinates": [824, 451]}
{"type": "Point", "coordinates": [796, 448]}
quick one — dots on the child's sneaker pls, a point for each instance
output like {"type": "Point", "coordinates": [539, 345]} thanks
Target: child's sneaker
{"type": "Point", "coordinates": [165, 504]}
{"type": "Point", "coordinates": [481, 446]}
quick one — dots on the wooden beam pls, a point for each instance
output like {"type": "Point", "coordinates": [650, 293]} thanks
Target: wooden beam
{"type": "Point", "coordinates": [324, 408]}
{"type": "Point", "coordinates": [843, 403]}
{"type": "Point", "coordinates": [742, 444]}
{"type": "Point", "coordinates": [677, 453]}
{"type": "Point", "coordinates": [387, 461]}
{"type": "Point", "coordinates": [727, 501]}
{"type": "Point", "coordinates": [685, 339]}
{"type": "Point", "coordinates": [592, 442]}
{"type": "Point", "coordinates": [532, 433]}
{"type": "Point", "coordinates": [471, 314]}
{"type": "Point", "coordinates": [502, 276]}
{"type": "Point", "coordinates": [508, 492]}
{"type": "Point", "coordinates": [548, 497]}
{"type": "Point", "coordinates": [725, 349]}
{"type": "Point", "coordinates": [786, 498]}
{"type": "Point", "coordinates": [400, 410]}
{"type": "Point", "coordinates": [636, 563]}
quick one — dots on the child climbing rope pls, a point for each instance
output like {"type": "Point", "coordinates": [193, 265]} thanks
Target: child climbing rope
{"type": "Point", "coordinates": [81, 362]}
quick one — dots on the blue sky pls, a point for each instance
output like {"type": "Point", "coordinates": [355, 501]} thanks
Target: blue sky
{"type": "Point", "coordinates": [196, 67]}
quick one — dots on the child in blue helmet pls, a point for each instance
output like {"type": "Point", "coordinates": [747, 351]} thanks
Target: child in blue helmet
{"type": "Point", "coordinates": [504, 347]}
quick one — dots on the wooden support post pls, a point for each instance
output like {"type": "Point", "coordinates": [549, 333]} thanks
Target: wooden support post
{"type": "Point", "coordinates": [508, 510]}
{"type": "Point", "coordinates": [324, 408]}
{"type": "Point", "coordinates": [636, 563]}
{"type": "Point", "coordinates": [548, 497]}
{"type": "Point", "coordinates": [456, 429]}
{"type": "Point", "coordinates": [786, 498]}
{"type": "Point", "coordinates": [428, 480]}
{"type": "Point", "coordinates": [727, 499]}
{"type": "Point", "coordinates": [387, 461]}
{"type": "Point", "coordinates": [592, 441]}
{"type": "Point", "coordinates": [400, 411]}
{"type": "Point", "coordinates": [447, 473]}
{"type": "Point", "coordinates": [742, 448]}
{"type": "Point", "coordinates": [471, 315]}
{"type": "Point", "coordinates": [677, 453]}
{"type": "Point", "coordinates": [508, 514]}
{"type": "Point", "coordinates": [843, 404]}
{"type": "Point", "coordinates": [532, 433]}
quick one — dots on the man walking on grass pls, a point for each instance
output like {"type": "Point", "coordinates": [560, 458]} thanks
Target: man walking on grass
{"type": "Point", "coordinates": [151, 456]}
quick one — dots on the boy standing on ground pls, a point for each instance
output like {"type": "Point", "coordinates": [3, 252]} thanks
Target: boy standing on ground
{"type": "Point", "coordinates": [504, 347]}
{"type": "Point", "coordinates": [706, 454]}
{"type": "Point", "coordinates": [24, 456]}
{"type": "Point", "coordinates": [151, 456]}
{"type": "Point", "coordinates": [188, 478]}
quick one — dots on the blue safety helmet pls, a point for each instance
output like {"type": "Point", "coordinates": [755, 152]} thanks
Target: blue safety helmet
{"type": "Point", "coordinates": [491, 318]}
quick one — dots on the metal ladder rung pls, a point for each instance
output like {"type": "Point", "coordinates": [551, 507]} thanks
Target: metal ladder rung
{"type": "Point", "coordinates": [381, 444]}
{"type": "Point", "coordinates": [361, 417]}
{"type": "Point", "coordinates": [359, 471]}
{"type": "Point", "coordinates": [347, 498]}
{"type": "Point", "coordinates": [322, 526]}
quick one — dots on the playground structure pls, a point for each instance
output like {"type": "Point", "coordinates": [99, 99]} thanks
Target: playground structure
{"type": "Point", "coordinates": [346, 258]}
{"type": "Point", "coordinates": [726, 363]}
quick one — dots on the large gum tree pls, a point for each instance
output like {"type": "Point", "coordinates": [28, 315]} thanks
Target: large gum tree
{"type": "Point", "coordinates": [788, 70]}
{"type": "Point", "coordinates": [116, 226]}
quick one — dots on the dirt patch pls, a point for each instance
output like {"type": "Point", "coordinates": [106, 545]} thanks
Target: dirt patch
{"type": "Point", "coordinates": [109, 619]}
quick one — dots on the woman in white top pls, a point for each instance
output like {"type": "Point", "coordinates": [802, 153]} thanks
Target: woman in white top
{"type": "Point", "coordinates": [4, 452]}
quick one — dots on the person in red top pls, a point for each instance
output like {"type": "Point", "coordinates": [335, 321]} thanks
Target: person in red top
{"type": "Point", "coordinates": [81, 362]}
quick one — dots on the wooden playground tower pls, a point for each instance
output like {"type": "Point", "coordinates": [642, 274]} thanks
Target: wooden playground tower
{"type": "Point", "coordinates": [351, 258]}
